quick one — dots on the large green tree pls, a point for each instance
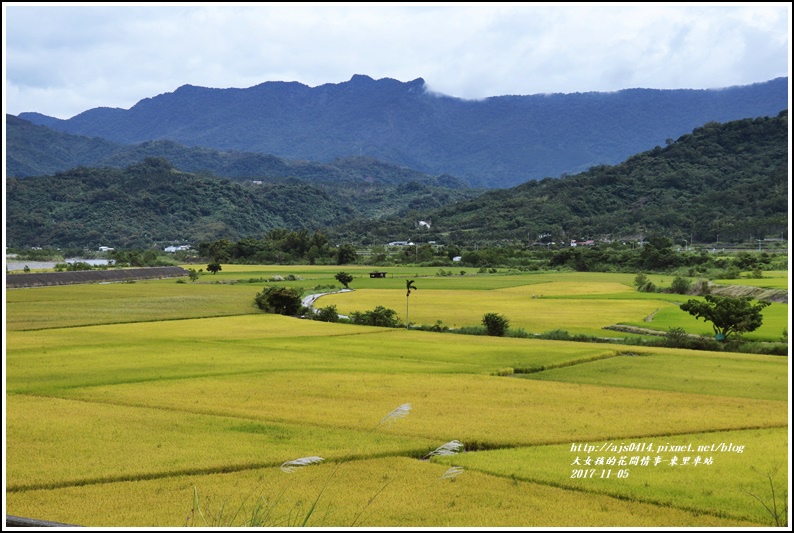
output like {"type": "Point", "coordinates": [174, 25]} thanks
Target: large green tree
{"type": "Point", "coordinates": [728, 315]}
{"type": "Point", "coordinates": [279, 300]}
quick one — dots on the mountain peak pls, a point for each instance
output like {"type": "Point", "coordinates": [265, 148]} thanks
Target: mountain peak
{"type": "Point", "coordinates": [360, 78]}
{"type": "Point", "coordinates": [363, 79]}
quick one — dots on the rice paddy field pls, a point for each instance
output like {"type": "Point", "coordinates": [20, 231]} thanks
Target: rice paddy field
{"type": "Point", "coordinates": [167, 403]}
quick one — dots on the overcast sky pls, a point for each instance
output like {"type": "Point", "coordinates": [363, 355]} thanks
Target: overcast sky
{"type": "Point", "coordinates": [61, 59]}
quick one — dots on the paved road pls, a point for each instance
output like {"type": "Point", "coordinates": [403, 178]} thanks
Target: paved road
{"type": "Point", "coordinates": [309, 300]}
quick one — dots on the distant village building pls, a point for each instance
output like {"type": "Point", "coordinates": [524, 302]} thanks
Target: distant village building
{"type": "Point", "coordinates": [105, 249]}
{"type": "Point", "coordinates": [423, 224]}
{"type": "Point", "coordinates": [173, 249]}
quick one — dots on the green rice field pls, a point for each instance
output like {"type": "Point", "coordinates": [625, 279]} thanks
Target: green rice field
{"type": "Point", "coordinates": [166, 404]}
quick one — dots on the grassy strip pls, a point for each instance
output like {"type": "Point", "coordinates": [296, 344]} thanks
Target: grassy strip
{"type": "Point", "coordinates": [541, 368]}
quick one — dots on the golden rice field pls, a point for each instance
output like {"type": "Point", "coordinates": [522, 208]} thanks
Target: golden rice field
{"type": "Point", "coordinates": [125, 402]}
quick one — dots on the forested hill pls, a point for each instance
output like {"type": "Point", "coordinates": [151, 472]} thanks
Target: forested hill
{"type": "Point", "coordinates": [500, 141]}
{"type": "Point", "coordinates": [33, 150]}
{"type": "Point", "coordinates": [153, 202]}
{"type": "Point", "coordinates": [722, 182]}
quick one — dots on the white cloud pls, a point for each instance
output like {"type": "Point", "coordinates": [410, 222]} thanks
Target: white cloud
{"type": "Point", "coordinates": [62, 60]}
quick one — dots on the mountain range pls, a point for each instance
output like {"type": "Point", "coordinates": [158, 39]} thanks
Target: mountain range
{"type": "Point", "coordinates": [721, 182]}
{"type": "Point", "coordinates": [496, 142]}
{"type": "Point", "coordinates": [33, 150]}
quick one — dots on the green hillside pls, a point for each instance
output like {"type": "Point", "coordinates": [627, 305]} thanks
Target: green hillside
{"type": "Point", "coordinates": [154, 202]}
{"type": "Point", "coordinates": [721, 183]}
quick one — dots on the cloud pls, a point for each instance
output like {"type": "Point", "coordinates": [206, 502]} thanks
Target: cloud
{"type": "Point", "coordinates": [62, 60]}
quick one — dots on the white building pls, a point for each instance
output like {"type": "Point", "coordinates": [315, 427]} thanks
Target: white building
{"type": "Point", "coordinates": [172, 249]}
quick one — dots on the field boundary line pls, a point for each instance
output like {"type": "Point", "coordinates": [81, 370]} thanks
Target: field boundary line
{"type": "Point", "coordinates": [226, 469]}
{"type": "Point", "coordinates": [575, 362]}
{"type": "Point", "coordinates": [121, 323]}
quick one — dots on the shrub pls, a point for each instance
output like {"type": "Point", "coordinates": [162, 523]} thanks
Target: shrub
{"type": "Point", "coordinates": [380, 316]}
{"type": "Point", "coordinates": [556, 335]}
{"type": "Point", "coordinates": [519, 333]}
{"type": "Point", "coordinates": [438, 327]}
{"type": "Point", "coordinates": [327, 314]}
{"type": "Point", "coordinates": [675, 338]}
{"type": "Point", "coordinates": [470, 330]}
{"type": "Point", "coordinates": [495, 324]}
{"type": "Point", "coordinates": [648, 286]}
{"type": "Point", "coordinates": [732, 272]}
{"type": "Point", "coordinates": [680, 285]}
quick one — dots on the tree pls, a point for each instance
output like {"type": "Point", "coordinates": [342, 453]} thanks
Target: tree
{"type": "Point", "coordinates": [495, 324]}
{"type": "Point", "coordinates": [344, 278]}
{"type": "Point", "coordinates": [193, 273]}
{"type": "Point", "coordinates": [214, 267]}
{"type": "Point", "coordinates": [409, 286]}
{"type": "Point", "coordinates": [219, 250]}
{"type": "Point", "coordinates": [346, 254]}
{"type": "Point", "coordinates": [727, 314]}
{"type": "Point", "coordinates": [279, 300]}
{"type": "Point", "coordinates": [657, 254]}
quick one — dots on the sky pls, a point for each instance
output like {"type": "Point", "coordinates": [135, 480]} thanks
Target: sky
{"type": "Point", "coordinates": [60, 59]}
